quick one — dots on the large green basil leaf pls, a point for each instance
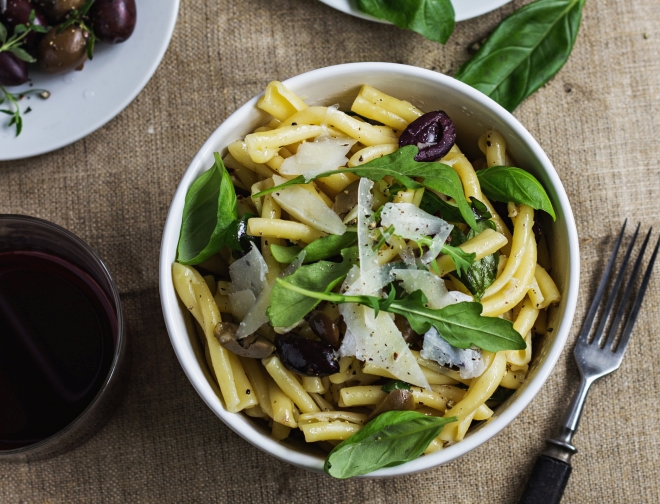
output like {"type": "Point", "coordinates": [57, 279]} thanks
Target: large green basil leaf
{"type": "Point", "coordinates": [434, 19]}
{"type": "Point", "coordinates": [506, 183]}
{"type": "Point", "coordinates": [208, 215]}
{"type": "Point", "coordinates": [392, 438]}
{"type": "Point", "coordinates": [525, 51]}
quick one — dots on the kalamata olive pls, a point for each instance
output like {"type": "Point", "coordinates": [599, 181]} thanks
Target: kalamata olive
{"type": "Point", "coordinates": [61, 52]}
{"type": "Point", "coordinates": [346, 199]}
{"type": "Point", "coordinates": [305, 356]}
{"type": "Point", "coordinates": [433, 133]}
{"type": "Point", "coordinates": [18, 12]}
{"type": "Point", "coordinates": [397, 400]}
{"type": "Point", "coordinates": [113, 21]}
{"type": "Point", "coordinates": [13, 71]}
{"type": "Point", "coordinates": [402, 324]}
{"type": "Point", "coordinates": [252, 346]}
{"type": "Point", "coordinates": [56, 10]}
{"type": "Point", "coordinates": [324, 327]}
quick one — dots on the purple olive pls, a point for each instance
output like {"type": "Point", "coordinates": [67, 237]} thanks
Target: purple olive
{"type": "Point", "coordinates": [56, 10]}
{"type": "Point", "coordinates": [113, 21]}
{"type": "Point", "coordinates": [305, 356]}
{"type": "Point", "coordinates": [433, 133]}
{"type": "Point", "coordinates": [13, 71]}
{"type": "Point", "coordinates": [18, 12]}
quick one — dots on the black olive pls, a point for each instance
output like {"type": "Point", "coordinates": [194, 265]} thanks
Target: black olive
{"type": "Point", "coordinates": [324, 327]}
{"type": "Point", "coordinates": [113, 21]}
{"type": "Point", "coordinates": [13, 71]}
{"type": "Point", "coordinates": [305, 356]}
{"type": "Point", "coordinates": [244, 239]}
{"type": "Point", "coordinates": [56, 10]}
{"type": "Point", "coordinates": [346, 199]}
{"type": "Point", "coordinates": [402, 324]}
{"type": "Point", "coordinates": [433, 133]}
{"type": "Point", "coordinates": [18, 12]}
{"type": "Point", "coordinates": [61, 52]}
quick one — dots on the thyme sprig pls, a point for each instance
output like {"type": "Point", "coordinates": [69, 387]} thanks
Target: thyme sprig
{"type": "Point", "coordinates": [14, 109]}
{"type": "Point", "coordinates": [13, 44]}
{"type": "Point", "coordinates": [79, 17]}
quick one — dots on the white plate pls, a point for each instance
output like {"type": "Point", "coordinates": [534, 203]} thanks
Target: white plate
{"type": "Point", "coordinates": [465, 9]}
{"type": "Point", "coordinates": [82, 102]}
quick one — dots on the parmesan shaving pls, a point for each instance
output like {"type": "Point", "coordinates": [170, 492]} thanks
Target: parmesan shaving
{"type": "Point", "coordinates": [313, 158]}
{"type": "Point", "coordinates": [307, 208]}
{"type": "Point", "coordinates": [378, 341]}
{"type": "Point", "coordinates": [413, 223]}
{"type": "Point", "coordinates": [248, 272]}
{"type": "Point", "coordinates": [469, 361]}
{"type": "Point", "coordinates": [431, 285]}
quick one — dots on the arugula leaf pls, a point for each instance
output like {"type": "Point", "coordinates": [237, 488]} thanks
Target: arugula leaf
{"type": "Point", "coordinates": [434, 19]}
{"type": "Point", "coordinates": [3, 34]}
{"type": "Point", "coordinates": [462, 260]}
{"type": "Point", "coordinates": [287, 306]}
{"type": "Point", "coordinates": [507, 183]}
{"type": "Point", "coordinates": [321, 248]}
{"type": "Point", "coordinates": [461, 324]}
{"type": "Point", "coordinates": [479, 209]}
{"type": "Point", "coordinates": [208, 214]}
{"type": "Point", "coordinates": [525, 51]}
{"type": "Point", "coordinates": [433, 204]}
{"type": "Point", "coordinates": [401, 166]}
{"type": "Point", "coordinates": [390, 439]}
{"type": "Point", "coordinates": [395, 385]}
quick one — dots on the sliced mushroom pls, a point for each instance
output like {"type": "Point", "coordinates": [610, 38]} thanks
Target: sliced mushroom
{"type": "Point", "coordinates": [324, 327]}
{"type": "Point", "coordinates": [397, 400]}
{"type": "Point", "coordinates": [346, 199]}
{"type": "Point", "coordinates": [252, 346]}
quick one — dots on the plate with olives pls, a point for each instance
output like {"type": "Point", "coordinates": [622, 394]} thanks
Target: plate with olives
{"type": "Point", "coordinates": [67, 67]}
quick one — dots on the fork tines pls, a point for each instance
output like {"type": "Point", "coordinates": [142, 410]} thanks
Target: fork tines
{"type": "Point", "coordinates": [609, 339]}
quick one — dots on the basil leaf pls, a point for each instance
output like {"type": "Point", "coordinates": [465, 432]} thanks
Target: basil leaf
{"type": "Point", "coordinates": [434, 19]}
{"type": "Point", "coordinates": [525, 51]}
{"type": "Point", "coordinates": [395, 385]}
{"type": "Point", "coordinates": [208, 214]}
{"type": "Point", "coordinates": [479, 209]}
{"type": "Point", "coordinates": [390, 439]}
{"type": "Point", "coordinates": [506, 183]}
{"type": "Point", "coordinates": [285, 255]}
{"type": "Point", "coordinates": [480, 275]}
{"type": "Point", "coordinates": [321, 248]}
{"type": "Point", "coordinates": [288, 307]}
{"type": "Point", "coordinates": [461, 324]}
{"type": "Point", "coordinates": [401, 166]}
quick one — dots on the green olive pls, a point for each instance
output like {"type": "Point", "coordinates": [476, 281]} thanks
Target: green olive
{"type": "Point", "coordinates": [61, 52]}
{"type": "Point", "coordinates": [56, 10]}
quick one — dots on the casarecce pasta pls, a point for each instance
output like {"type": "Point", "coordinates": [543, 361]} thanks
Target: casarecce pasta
{"type": "Point", "coordinates": [329, 407]}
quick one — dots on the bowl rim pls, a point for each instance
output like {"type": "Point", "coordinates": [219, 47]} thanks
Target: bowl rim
{"type": "Point", "coordinates": [237, 422]}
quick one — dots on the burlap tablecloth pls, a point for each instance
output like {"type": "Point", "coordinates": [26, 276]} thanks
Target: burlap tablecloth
{"type": "Point", "coordinates": [598, 121]}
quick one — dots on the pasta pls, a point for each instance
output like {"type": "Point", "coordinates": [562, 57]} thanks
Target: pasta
{"type": "Point", "coordinates": [331, 407]}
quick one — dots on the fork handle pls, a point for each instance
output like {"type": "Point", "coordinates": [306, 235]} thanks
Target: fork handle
{"type": "Point", "coordinates": [547, 482]}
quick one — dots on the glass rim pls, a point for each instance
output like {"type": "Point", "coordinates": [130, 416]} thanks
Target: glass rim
{"type": "Point", "coordinates": [120, 345]}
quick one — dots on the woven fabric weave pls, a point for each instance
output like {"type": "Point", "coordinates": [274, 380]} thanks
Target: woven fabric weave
{"type": "Point", "coordinates": [597, 120]}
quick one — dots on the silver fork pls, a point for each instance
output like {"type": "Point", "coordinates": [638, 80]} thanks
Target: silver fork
{"type": "Point", "coordinates": [596, 356]}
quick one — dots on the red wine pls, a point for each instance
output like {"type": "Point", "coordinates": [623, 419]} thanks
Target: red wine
{"type": "Point", "coordinates": [57, 339]}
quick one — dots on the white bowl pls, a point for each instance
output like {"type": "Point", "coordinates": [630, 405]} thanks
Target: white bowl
{"type": "Point", "coordinates": [472, 113]}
